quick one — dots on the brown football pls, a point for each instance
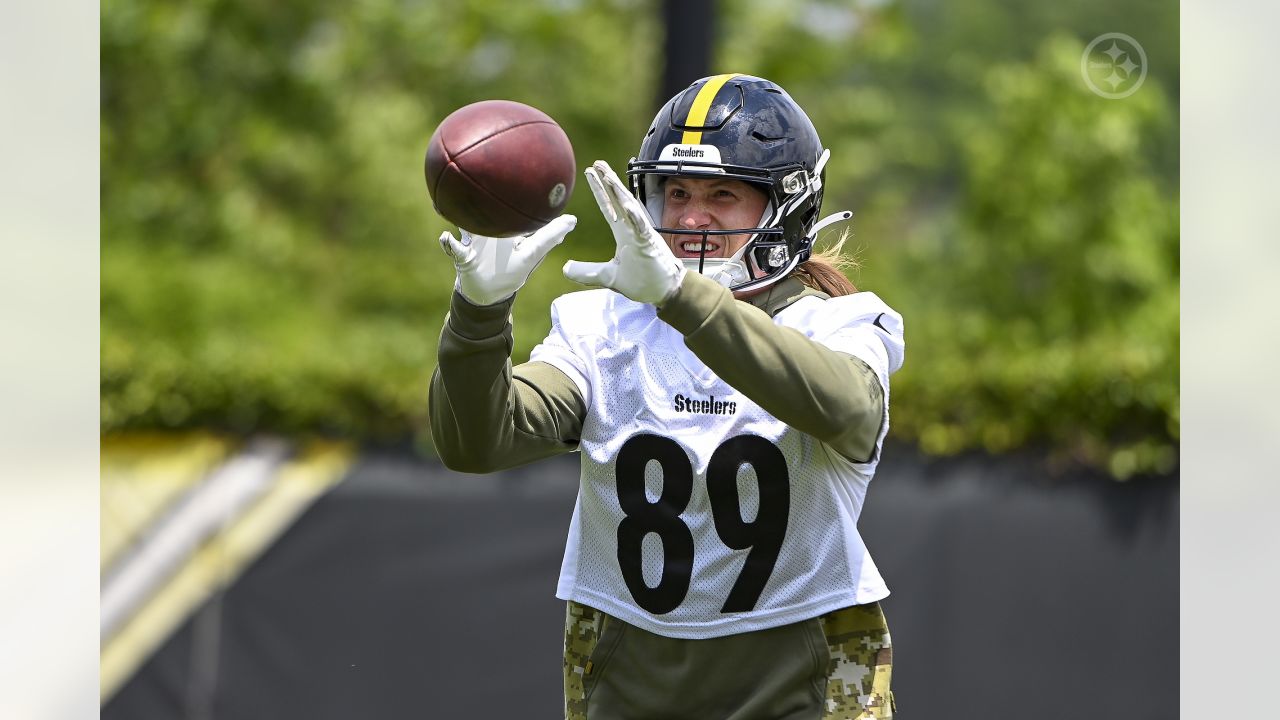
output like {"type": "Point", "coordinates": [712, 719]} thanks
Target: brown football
{"type": "Point", "coordinates": [499, 168]}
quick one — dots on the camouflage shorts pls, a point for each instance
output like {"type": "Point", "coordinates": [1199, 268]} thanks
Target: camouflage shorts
{"type": "Point", "coordinates": [582, 626]}
{"type": "Point", "coordinates": [859, 669]}
{"type": "Point", "coordinates": [861, 664]}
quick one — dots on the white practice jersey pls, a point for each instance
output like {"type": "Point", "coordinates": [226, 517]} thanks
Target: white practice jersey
{"type": "Point", "coordinates": [699, 514]}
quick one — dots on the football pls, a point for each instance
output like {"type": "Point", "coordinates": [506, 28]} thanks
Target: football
{"type": "Point", "coordinates": [499, 168]}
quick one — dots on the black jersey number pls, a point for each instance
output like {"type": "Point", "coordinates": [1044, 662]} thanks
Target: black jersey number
{"type": "Point", "coordinates": [763, 535]}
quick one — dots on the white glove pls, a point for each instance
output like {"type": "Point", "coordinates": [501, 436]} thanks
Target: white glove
{"type": "Point", "coordinates": [491, 270]}
{"type": "Point", "coordinates": [643, 268]}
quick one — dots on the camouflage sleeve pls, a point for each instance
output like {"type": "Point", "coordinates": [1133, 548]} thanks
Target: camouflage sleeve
{"type": "Point", "coordinates": [831, 395]}
{"type": "Point", "coordinates": [486, 415]}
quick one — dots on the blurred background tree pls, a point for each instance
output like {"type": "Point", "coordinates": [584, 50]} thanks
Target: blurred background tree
{"type": "Point", "coordinates": [269, 258]}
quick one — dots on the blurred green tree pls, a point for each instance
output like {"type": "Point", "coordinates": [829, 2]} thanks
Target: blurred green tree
{"type": "Point", "coordinates": [1025, 227]}
{"type": "Point", "coordinates": [1051, 310]}
{"type": "Point", "coordinates": [269, 256]}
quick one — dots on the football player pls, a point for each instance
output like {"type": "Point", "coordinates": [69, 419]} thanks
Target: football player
{"type": "Point", "coordinates": [728, 392]}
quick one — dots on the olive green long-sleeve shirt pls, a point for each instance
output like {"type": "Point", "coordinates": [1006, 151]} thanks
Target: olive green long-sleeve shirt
{"type": "Point", "coordinates": [487, 415]}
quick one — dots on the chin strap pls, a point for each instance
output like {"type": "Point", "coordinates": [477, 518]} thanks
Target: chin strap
{"type": "Point", "coordinates": [829, 220]}
{"type": "Point", "coordinates": [728, 272]}
{"type": "Point", "coordinates": [732, 271]}
{"type": "Point", "coordinates": [820, 166]}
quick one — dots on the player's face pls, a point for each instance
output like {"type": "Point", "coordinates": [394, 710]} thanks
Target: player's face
{"type": "Point", "coordinates": [710, 204]}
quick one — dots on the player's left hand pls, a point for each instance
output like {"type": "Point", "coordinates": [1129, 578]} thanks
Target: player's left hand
{"type": "Point", "coordinates": [643, 267]}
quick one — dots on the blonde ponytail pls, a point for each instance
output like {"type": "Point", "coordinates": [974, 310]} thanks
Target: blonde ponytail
{"type": "Point", "coordinates": [825, 269]}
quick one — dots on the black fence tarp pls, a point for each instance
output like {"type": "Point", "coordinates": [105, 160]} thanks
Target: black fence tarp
{"type": "Point", "coordinates": [413, 592]}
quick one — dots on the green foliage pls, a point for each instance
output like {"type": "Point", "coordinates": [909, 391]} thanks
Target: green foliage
{"type": "Point", "coordinates": [269, 252]}
{"type": "Point", "coordinates": [1053, 304]}
{"type": "Point", "coordinates": [1026, 228]}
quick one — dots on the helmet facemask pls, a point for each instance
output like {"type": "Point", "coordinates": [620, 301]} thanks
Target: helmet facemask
{"type": "Point", "coordinates": [769, 254]}
{"type": "Point", "coordinates": [731, 271]}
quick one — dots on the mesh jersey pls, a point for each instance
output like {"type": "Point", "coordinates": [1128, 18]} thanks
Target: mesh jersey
{"type": "Point", "coordinates": [699, 514]}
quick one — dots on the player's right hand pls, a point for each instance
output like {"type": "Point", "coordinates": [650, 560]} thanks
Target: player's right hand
{"type": "Point", "coordinates": [491, 270]}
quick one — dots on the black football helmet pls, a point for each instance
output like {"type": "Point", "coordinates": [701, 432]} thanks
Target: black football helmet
{"type": "Point", "coordinates": [745, 128]}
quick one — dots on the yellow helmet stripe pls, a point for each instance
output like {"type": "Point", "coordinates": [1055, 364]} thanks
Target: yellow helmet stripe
{"type": "Point", "coordinates": [701, 104]}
